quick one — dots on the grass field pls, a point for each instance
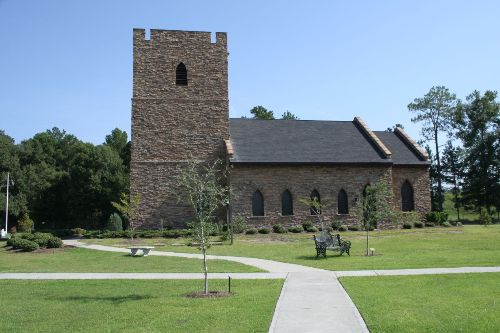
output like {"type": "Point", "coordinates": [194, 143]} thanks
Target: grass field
{"type": "Point", "coordinates": [431, 303]}
{"type": "Point", "coordinates": [135, 306]}
{"type": "Point", "coordinates": [83, 260]}
{"type": "Point", "coordinates": [415, 248]}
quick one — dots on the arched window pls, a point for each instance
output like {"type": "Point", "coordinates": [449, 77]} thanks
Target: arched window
{"type": "Point", "coordinates": [257, 204]}
{"type": "Point", "coordinates": [286, 203]}
{"type": "Point", "coordinates": [342, 204]}
{"type": "Point", "coordinates": [314, 210]}
{"type": "Point", "coordinates": [181, 75]}
{"type": "Point", "coordinates": [407, 204]}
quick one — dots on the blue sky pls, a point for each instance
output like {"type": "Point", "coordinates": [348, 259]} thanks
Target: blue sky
{"type": "Point", "coordinates": [69, 63]}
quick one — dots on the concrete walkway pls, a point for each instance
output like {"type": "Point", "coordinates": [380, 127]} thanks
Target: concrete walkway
{"type": "Point", "coordinates": [311, 300]}
{"type": "Point", "coordinates": [264, 264]}
{"type": "Point", "coordinates": [315, 302]}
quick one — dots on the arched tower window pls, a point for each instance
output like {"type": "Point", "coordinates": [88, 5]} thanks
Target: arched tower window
{"type": "Point", "coordinates": [257, 204]}
{"type": "Point", "coordinates": [314, 210]}
{"type": "Point", "coordinates": [342, 203]}
{"type": "Point", "coordinates": [286, 203]}
{"type": "Point", "coordinates": [181, 75]}
{"type": "Point", "coordinates": [407, 204]}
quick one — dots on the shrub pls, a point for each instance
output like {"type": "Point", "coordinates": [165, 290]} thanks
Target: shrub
{"type": "Point", "coordinates": [418, 224]}
{"type": "Point", "coordinates": [312, 229]}
{"type": "Point", "coordinates": [446, 224]}
{"type": "Point", "coordinates": [114, 223]}
{"type": "Point", "coordinates": [353, 227]}
{"type": "Point", "coordinates": [306, 225]}
{"type": "Point", "coordinates": [24, 244]}
{"type": "Point", "coordinates": [343, 228]}
{"type": "Point", "coordinates": [11, 241]}
{"type": "Point", "coordinates": [436, 217]}
{"type": "Point", "coordinates": [25, 224]}
{"type": "Point", "coordinates": [407, 225]}
{"type": "Point", "coordinates": [264, 231]}
{"type": "Point", "coordinates": [279, 229]}
{"type": "Point", "coordinates": [251, 231]}
{"type": "Point", "coordinates": [336, 224]}
{"type": "Point", "coordinates": [78, 232]}
{"type": "Point", "coordinates": [41, 238]}
{"type": "Point", "coordinates": [54, 242]}
{"type": "Point", "coordinates": [429, 224]}
{"type": "Point", "coordinates": [484, 217]}
{"type": "Point", "coordinates": [296, 230]}
{"type": "Point", "coordinates": [239, 224]}
{"type": "Point", "coordinates": [408, 217]}
{"type": "Point", "coordinates": [28, 236]}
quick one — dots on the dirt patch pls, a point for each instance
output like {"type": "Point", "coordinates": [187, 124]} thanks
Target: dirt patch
{"type": "Point", "coordinates": [210, 294]}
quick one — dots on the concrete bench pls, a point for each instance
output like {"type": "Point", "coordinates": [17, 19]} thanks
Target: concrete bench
{"type": "Point", "coordinates": [145, 250]}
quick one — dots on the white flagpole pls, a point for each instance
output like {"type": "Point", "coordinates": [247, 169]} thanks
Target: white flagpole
{"type": "Point", "coordinates": [7, 206]}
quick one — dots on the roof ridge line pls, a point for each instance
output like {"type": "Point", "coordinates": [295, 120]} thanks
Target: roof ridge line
{"type": "Point", "coordinates": [374, 138]}
{"type": "Point", "coordinates": [400, 133]}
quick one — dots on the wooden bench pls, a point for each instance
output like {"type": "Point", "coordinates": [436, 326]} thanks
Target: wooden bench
{"type": "Point", "coordinates": [145, 250]}
{"type": "Point", "coordinates": [326, 241]}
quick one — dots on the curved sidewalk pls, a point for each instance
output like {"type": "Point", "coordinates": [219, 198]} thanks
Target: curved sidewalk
{"type": "Point", "coordinates": [264, 264]}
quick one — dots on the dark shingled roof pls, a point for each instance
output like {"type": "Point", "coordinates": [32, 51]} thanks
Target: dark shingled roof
{"type": "Point", "coordinates": [402, 154]}
{"type": "Point", "coordinates": [310, 142]}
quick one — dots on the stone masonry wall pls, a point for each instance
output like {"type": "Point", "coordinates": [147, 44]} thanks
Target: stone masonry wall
{"type": "Point", "coordinates": [272, 181]}
{"type": "Point", "coordinates": [419, 180]}
{"type": "Point", "coordinates": [173, 124]}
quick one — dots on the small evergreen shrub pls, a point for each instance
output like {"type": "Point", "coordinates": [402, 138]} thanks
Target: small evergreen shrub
{"type": "Point", "coordinates": [239, 224]}
{"type": "Point", "coordinates": [418, 224]}
{"type": "Point", "coordinates": [429, 224]}
{"type": "Point", "coordinates": [279, 229]}
{"type": "Point", "coordinates": [114, 222]}
{"type": "Point", "coordinates": [407, 225]}
{"type": "Point", "coordinates": [296, 230]}
{"type": "Point", "coordinates": [436, 217]}
{"type": "Point", "coordinates": [41, 238]}
{"type": "Point", "coordinates": [251, 231]}
{"type": "Point", "coordinates": [78, 232]}
{"type": "Point", "coordinates": [264, 231]}
{"type": "Point", "coordinates": [484, 217]}
{"type": "Point", "coordinates": [54, 243]}
{"type": "Point", "coordinates": [25, 224]}
{"type": "Point", "coordinates": [312, 229]}
{"type": "Point", "coordinates": [354, 228]}
{"type": "Point", "coordinates": [446, 224]}
{"type": "Point", "coordinates": [25, 245]}
{"type": "Point", "coordinates": [307, 224]}
{"type": "Point", "coordinates": [343, 228]}
{"type": "Point", "coordinates": [336, 224]}
{"type": "Point", "coordinates": [26, 235]}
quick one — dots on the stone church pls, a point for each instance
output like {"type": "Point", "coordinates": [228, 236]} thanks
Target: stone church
{"type": "Point", "coordinates": [180, 112]}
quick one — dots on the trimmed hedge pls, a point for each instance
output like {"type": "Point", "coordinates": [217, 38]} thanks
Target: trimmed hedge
{"type": "Point", "coordinates": [353, 228]}
{"type": "Point", "coordinates": [264, 231]}
{"type": "Point", "coordinates": [418, 224]}
{"type": "Point", "coordinates": [279, 229]}
{"type": "Point", "coordinates": [296, 230]}
{"type": "Point", "coordinates": [251, 231]}
{"type": "Point", "coordinates": [24, 244]}
{"type": "Point", "coordinates": [312, 229]}
{"type": "Point", "coordinates": [54, 242]}
{"type": "Point", "coordinates": [175, 233]}
{"type": "Point", "coordinates": [343, 228]}
{"type": "Point", "coordinates": [407, 225]}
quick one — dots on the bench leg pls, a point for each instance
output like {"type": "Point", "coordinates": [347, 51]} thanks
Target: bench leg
{"type": "Point", "coordinates": [145, 252]}
{"type": "Point", "coordinates": [133, 252]}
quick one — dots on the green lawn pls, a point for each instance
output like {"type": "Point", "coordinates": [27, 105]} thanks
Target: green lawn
{"type": "Point", "coordinates": [415, 248]}
{"type": "Point", "coordinates": [431, 303]}
{"type": "Point", "coordinates": [83, 260]}
{"type": "Point", "coordinates": [135, 306]}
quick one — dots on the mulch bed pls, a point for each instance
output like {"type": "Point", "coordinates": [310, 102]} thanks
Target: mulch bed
{"type": "Point", "coordinates": [211, 294]}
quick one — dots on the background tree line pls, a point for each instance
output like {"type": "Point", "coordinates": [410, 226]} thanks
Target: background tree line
{"type": "Point", "coordinates": [61, 181]}
{"type": "Point", "coordinates": [465, 153]}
